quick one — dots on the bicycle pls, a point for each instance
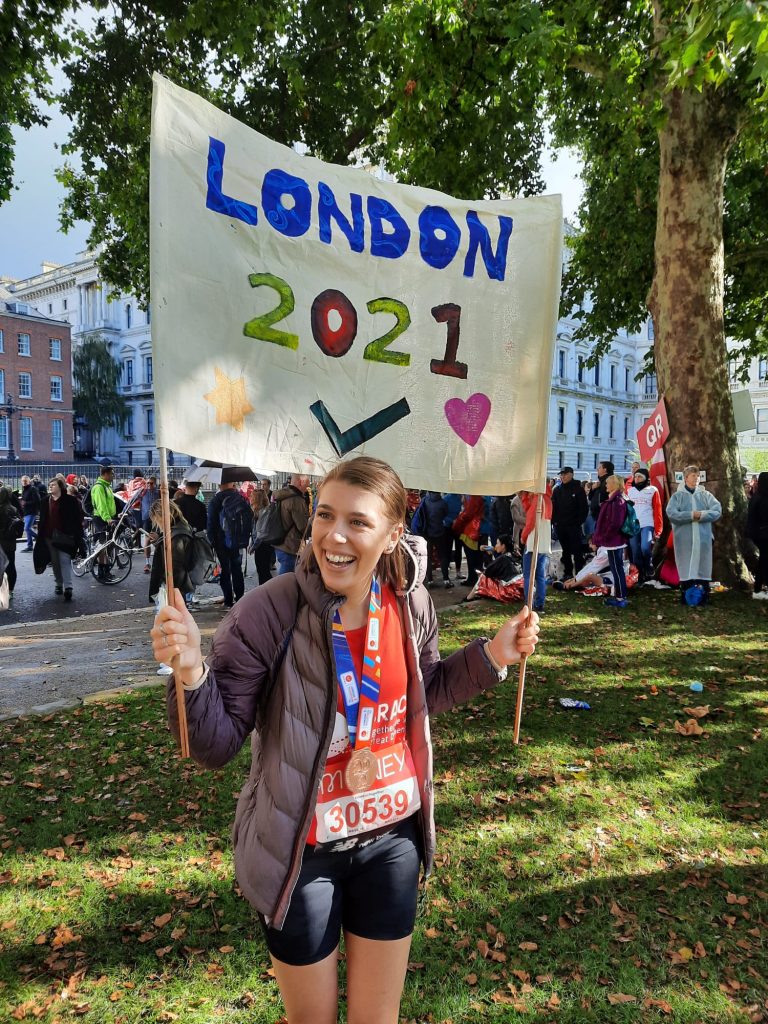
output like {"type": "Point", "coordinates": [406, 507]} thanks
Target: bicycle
{"type": "Point", "coordinates": [113, 553]}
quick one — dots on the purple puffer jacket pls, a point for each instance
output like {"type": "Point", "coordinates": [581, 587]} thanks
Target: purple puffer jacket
{"type": "Point", "coordinates": [608, 533]}
{"type": "Point", "coordinates": [287, 703]}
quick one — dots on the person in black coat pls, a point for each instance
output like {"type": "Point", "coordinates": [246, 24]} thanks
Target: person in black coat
{"type": "Point", "coordinates": [569, 510]}
{"type": "Point", "coordinates": [502, 520]}
{"type": "Point", "coordinates": [193, 510]}
{"type": "Point", "coordinates": [757, 530]}
{"type": "Point", "coordinates": [30, 506]}
{"type": "Point", "coordinates": [59, 535]}
{"type": "Point", "coordinates": [10, 524]}
{"type": "Point", "coordinates": [439, 538]}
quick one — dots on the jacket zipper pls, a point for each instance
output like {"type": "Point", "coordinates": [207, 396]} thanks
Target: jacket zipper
{"type": "Point", "coordinates": [298, 850]}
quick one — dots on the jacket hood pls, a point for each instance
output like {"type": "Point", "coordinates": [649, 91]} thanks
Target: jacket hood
{"type": "Point", "coordinates": [681, 487]}
{"type": "Point", "coordinates": [762, 485]}
{"type": "Point", "coordinates": [415, 553]}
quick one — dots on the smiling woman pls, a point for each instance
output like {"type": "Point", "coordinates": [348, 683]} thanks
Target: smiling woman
{"type": "Point", "coordinates": [334, 669]}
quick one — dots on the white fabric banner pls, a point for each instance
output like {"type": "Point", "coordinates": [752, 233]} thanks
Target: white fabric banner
{"type": "Point", "coordinates": [304, 311]}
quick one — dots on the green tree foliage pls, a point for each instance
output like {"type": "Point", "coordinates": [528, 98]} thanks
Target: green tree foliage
{"type": "Point", "coordinates": [96, 377]}
{"type": "Point", "coordinates": [30, 41]}
{"type": "Point", "coordinates": [325, 75]}
{"type": "Point", "coordinates": [664, 100]}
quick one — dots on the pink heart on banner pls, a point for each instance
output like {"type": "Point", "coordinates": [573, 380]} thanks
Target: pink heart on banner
{"type": "Point", "coordinates": [468, 419]}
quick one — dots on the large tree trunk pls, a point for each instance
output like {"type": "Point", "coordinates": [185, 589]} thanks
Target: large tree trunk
{"type": "Point", "coordinates": [686, 302]}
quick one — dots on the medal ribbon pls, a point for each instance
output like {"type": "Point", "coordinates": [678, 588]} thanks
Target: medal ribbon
{"type": "Point", "coordinates": [360, 699]}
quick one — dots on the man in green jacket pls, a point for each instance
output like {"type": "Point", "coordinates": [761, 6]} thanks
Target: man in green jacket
{"type": "Point", "coordinates": [104, 511]}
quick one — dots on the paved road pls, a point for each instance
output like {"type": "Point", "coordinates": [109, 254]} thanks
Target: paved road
{"type": "Point", "coordinates": [35, 601]}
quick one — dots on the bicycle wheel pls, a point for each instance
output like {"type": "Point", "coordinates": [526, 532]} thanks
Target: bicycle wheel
{"type": "Point", "coordinates": [117, 566]}
{"type": "Point", "coordinates": [82, 564]}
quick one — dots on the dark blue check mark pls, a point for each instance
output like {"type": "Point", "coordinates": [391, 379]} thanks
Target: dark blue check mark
{"type": "Point", "coordinates": [347, 440]}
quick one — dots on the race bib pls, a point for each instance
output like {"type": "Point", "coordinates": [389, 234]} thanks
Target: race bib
{"type": "Point", "coordinates": [340, 814]}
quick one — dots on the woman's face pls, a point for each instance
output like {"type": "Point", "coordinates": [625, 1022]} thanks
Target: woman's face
{"type": "Point", "coordinates": [54, 489]}
{"type": "Point", "coordinates": [350, 532]}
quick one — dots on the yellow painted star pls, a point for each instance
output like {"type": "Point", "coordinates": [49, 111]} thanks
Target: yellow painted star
{"type": "Point", "coordinates": [229, 399]}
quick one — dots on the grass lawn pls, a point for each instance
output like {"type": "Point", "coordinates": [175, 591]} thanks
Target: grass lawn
{"type": "Point", "coordinates": [610, 869]}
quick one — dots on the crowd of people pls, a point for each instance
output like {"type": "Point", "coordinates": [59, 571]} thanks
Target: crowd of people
{"type": "Point", "coordinates": [602, 544]}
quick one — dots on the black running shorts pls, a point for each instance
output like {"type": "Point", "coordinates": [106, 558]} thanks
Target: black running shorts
{"type": "Point", "coordinates": [370, 890]}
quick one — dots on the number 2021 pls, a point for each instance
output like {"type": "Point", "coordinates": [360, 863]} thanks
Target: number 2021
{"type": "Point", "coordinates": [336, 343]}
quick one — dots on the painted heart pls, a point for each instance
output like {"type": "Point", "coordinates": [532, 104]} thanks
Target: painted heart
{"type": "Point", "coordinates": [468, 419]}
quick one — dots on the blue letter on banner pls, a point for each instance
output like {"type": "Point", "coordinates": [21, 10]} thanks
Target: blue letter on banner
{"type": "Point", "coordinates": [215, 199]}
{"type": "Point", "coordinates": [390, 244]}
{"type": "Point", "coordinates": [438, 252]}
{"type": "Point", "coordinates": [495, 263]}
{"type": "Point", "coordinates": [294, 220]}
{"type": "Point", "coordinates": [328, 208]}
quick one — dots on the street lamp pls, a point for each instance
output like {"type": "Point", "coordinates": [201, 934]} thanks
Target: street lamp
{"type": "Point", "coordinates": [9, 411]}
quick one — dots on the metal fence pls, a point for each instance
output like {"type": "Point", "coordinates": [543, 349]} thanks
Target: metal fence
{"type": "Point", "coordinates": [12, 472]}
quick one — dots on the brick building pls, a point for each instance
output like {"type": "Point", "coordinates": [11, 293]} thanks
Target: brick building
{"type": "Point", "coordinates": [36, 373]}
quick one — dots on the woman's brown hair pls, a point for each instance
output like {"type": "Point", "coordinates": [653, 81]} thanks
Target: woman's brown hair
{"type": "Point", "coordinates": [259, 500]}
{"type": "Point", "coordinates": [378, 478]}
{"type": "Point", "coordinates": [177, 516]}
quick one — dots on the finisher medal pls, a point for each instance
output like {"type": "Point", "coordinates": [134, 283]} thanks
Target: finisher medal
{"type": "Point", "coordinates": [361, 771]}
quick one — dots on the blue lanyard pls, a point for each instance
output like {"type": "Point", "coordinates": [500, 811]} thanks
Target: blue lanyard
{"type": "Point", "coordinates": [360, 699]}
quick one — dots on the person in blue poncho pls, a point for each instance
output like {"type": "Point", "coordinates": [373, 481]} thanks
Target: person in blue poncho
{"type": "Point", "coordinates": [692, 510]}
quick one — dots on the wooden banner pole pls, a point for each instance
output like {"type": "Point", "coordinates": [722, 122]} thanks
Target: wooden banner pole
{"type": "Point", "coordinates": [165, 499]}
{"type": "Point", "coordinates": [529, 603]}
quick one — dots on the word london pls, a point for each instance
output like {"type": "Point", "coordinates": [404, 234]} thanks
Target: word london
{"type": "Point", "coordinates": [287, 200]}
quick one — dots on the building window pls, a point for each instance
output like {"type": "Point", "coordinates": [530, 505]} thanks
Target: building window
{"type": "Point", "coordinates": [597, 374]}
{"type": "Point", "coordinates": [596, 425]}
{"type": "Point", "coordinates": [733, 368]}
{"type": "Point", "coordinates": [613, 376]}
{"type": "Point", "coordinates": [150, 420]}
{"type": "Point", "coordinates": [2, 342]}
{"type": "Point", "coordinates": [148, 459]}
{"type": "Point", "coordinates": [2, 386]}
{"type": "Point", "coordinates": [650, 383]}
{"type": "Point", "coordinates": [54, 349]}
{"type": "Point", "coordinates": [560, 459]}
{"type": "Point", "coordinates": [561, 419]}
{"type": "Point", "coordinates": [626, 378]}
{"type": "Point", "coordinates": [50, 308]}
{"type": "Point", "coordinates": [148, 369]}
{"type": "Point", "coordinates": [25, 348]}
{"type": "Point", "coordinates": [3, 432]}
{"type": "Point", "coordinates": [578, 460]}
{"type": "Point", "coordinates": [762, 366]}
{"type": "Point", "coordinates": [626, 428]}
{"type": "Point", "coordinates": [595, 464]}
{"type": "Point", "coordinates": [128, 371]}
{"type": "Point", "coordinates": [57, 435]}
{"type": "Point", "coordinates": [611, 426]}
{"type": "Point", "coordinates": [56, 391]}
{"type": "Point", "coordinates": [561, 363]}
{"type": "Point", "coordinates": [129, 424]}
{"type": "Point", "coordinates": [149, 314]}
{"type": "Point", "coordinates": [580, 371]}
{"type": "Point", "coordinates": [64, 305]}
{"type": "Point", "coordinates": [651, 332]}
{"type": "Point", "coordinates": [25, 442]}
{"type": "Point", "coordinates": [579, 422]}
{"type": "Point", "coordinates": [128, 317]}
{"type": "Point", "coordinates": [761, 415]}
{"type": "Point", "coordinates": [25, 385]}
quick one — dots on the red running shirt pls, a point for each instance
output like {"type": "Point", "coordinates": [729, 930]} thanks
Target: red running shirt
{"type": "Point", "coordinates": [339, 813]}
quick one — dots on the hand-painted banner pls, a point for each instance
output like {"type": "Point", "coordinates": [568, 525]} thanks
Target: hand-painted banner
{"type": "Point", "coordinates": [304, 311]}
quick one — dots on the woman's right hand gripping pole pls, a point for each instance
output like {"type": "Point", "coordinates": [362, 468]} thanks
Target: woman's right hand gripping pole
{"type": "Point", "coordinates": [176, 640]}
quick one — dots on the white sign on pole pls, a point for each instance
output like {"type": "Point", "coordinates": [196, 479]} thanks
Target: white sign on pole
{"type": "Point", "coordinates": [304, 311]}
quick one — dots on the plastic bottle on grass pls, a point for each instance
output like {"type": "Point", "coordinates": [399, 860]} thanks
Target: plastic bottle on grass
{"type": "Point", "coordinates": [569, 702]}
{"type": "Point", "coordinates": [696, 687]}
